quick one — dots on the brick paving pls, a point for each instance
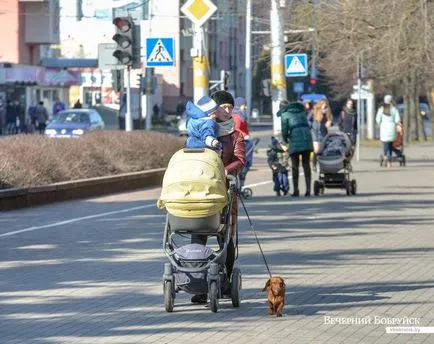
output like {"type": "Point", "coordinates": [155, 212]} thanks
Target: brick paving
{"type": "Point", "coordinates": [98, 280]}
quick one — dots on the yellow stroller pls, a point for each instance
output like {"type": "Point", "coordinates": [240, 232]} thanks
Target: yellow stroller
{"type": "Point", "coordinates": [198, 202]}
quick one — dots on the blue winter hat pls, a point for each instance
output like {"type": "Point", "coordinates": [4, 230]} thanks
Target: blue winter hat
{"type": "Point", "coordinates": [239, 101]}
{"type": "Point", "coordinates": [275, 142]}
{"type": "Point", "coordinates": [207, 105]}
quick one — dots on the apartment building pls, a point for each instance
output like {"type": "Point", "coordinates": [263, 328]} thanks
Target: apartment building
{"type": "Point", "coordinates": [29, 27]}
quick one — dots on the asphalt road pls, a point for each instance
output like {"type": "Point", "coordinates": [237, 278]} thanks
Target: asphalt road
{"type": "Point", "coordinates": [90, 271]}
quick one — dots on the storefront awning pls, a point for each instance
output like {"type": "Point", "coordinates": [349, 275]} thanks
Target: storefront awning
{"type": "Point", "coordinates": [32, 75]}
{"type": "Point", "coordinates": [69, 63]}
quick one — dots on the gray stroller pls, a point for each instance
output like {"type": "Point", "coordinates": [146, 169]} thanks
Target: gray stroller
{"type": "Point", "coordinates": [198, 268]}
{"type": "Point", "coordinates": [335, 164]}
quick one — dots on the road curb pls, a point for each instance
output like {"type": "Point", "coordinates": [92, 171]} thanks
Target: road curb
{"type": "Point", "coordinates": [16, 198]}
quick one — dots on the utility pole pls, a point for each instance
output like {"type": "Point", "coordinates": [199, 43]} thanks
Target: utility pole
{"type": "Point", "coordinates": [370, 111]}
{"type": "Point", "coordinates": [128, 114]}
{"type": "Point", "coordinates": [200, 63]}
{"type": "Point", "coordinates": [359, 106]}
{"type": "Point", "coordinates": [313, 73]}
{"type": "Point", "coordinates": [278, 79]}
{"type": "Point", "coordinates": [249, 58]}
{"type": "Point", "coordinates": [148, 104]}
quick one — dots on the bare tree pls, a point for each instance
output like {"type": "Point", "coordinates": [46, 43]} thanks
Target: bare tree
{"type": "Point", "coordinates": [394, 40]}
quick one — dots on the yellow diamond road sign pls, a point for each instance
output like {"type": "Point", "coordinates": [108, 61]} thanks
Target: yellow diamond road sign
{"type": "Point", "coordinates": [198, 11]}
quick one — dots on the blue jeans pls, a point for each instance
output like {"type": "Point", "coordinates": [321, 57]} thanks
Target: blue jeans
{"type": "Point", "coordinates": [280, 180]}
{"type": "Point", "coordinates": [387, 147]}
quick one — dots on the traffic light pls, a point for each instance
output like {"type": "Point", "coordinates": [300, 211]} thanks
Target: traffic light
{"type": "Point", "coordinates": [124, 37]}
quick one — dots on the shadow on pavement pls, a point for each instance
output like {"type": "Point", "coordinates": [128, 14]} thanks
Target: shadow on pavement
{"type": "Point", "coordinates": [102, 277]}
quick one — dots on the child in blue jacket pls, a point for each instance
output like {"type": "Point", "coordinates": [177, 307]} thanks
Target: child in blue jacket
{"type": "Point", "coordinates": [201, 125]}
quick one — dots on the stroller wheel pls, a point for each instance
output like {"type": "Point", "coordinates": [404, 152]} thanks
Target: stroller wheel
{"type": "Point", "coordinates": [236, 287]}
{"type": "Point", "coordinates": [403, 160]}
{"type": "Point", "coordinates": [381, 160]}
{"type": "Point", "coordinates": [347, 185]}
{"type": "Point", "coordinates": [247, 192]}
{"type": "Point", "coordinates": [168, 296]}
{"type": "Point", "coordinates": [213, 296]}
{"type": "Point", "coordinates": [353, 187]}
{"type": "Point", "coordinates": [316, 188]}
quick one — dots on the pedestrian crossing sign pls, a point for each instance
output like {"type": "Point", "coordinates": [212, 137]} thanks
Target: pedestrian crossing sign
{"type": "Point", "coordinates": [296, 65]}
{"type": "Point", "coordinates": [160, 52]}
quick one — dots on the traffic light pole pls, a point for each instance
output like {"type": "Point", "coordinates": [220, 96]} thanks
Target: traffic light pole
{"type": "Point", "coordinates": [278, 79]}
{"type": "Point", "coordinates": [249, 58]}
{"type": "Point", "coordinates": [128, 115]}
{"type": "Point", "coordinates": [200, 64]}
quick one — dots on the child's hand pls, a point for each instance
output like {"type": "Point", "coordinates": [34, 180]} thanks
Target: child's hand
{"type": "Point", "coordinates": [213, 115]}
{"type": "Point", "coordinates": [216, 144]}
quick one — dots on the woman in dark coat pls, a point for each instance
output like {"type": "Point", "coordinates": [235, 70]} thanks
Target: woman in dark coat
{"type": "Point", "coordinates": [296, 132]}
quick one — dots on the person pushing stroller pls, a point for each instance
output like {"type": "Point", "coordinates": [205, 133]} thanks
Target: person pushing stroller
{"type": "Point", "coordinates": [231, 148]}
{"type": "Point", "coordinates": [277, 158]}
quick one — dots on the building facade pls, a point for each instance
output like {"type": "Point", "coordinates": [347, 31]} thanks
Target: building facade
{"type": "Point", "coordinates": [225, 32]}
{"type": "Point", "coordinates": [29, 28]}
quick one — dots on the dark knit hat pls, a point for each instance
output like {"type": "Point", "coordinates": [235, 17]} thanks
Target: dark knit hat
{"type": "Point", "coordinates": [223, 97]}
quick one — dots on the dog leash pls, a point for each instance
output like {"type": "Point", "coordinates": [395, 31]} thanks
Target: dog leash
{"type": "Point", "coordinates": [254, 232]}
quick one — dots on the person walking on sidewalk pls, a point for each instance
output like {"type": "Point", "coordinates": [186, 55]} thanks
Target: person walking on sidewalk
{"type": "Point", "coordinates": [388, 119]}
{"type": "Point", "coordinates": [42, 117]}
{"type": "Point", "coordinates": [233, 154]}
{"type": "Point", "coordinates": [296, 132]}
{"type": "Point", "coordinates": [239, 115]}
{"type": "Point", "coordinates": [348, 121]}
{"type": "Point", "coordinates": [322, 120]}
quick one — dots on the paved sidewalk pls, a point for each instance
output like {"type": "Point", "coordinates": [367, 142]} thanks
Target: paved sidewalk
{"type": "Point", "coordinates": [90, 271]}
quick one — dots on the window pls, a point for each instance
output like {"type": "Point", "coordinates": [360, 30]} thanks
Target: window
{"type": "Point", "coordinates": [95, 117]}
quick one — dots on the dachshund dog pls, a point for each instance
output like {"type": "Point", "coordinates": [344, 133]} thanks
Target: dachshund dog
{"type": "Point", "coordinates": [275, 287]}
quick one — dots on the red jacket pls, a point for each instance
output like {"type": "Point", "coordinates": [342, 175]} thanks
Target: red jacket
{"type": "Point", "coordinates": [240, 124]}
{"type": "Point", "coordinates": [233, 152]}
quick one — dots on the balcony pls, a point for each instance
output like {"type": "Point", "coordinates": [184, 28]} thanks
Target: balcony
{"type": "Point", "coordinates": [41, 21]}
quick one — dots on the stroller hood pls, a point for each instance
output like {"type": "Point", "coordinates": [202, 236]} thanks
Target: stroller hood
{"type": "Point", "coordinates": [335, 144]}
{"type": "Point", "coordinates": [194, 184]}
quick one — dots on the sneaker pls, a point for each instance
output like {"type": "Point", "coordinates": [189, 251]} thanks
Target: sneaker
{"type": "Point", "coordinates": [285, 193]}
{"type": "Point", "coordinates": [201, 298]}
{"type": "Point", "coordinates": [278, 193]}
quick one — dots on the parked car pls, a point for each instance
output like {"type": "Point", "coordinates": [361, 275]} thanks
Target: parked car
{"type": "Point", "coordinates": [74, 123]}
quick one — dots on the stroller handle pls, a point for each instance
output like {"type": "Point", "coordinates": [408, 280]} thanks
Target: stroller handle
{"type": "Point", "coordinates": [233, 181]}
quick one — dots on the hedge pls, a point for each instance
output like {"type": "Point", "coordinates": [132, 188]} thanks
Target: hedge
{"type": "Point", "coordinates": [30, 160]}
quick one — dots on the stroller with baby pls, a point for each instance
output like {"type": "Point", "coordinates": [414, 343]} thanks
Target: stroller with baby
{"type": "Point", "coordinates": [335, 164]}
{"type": "Point", "coordinates": [397, 149]}
{"type": "Point", "coordinates": [247, 192]}
{"type": "Point", "coordinates": [198, 198]}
